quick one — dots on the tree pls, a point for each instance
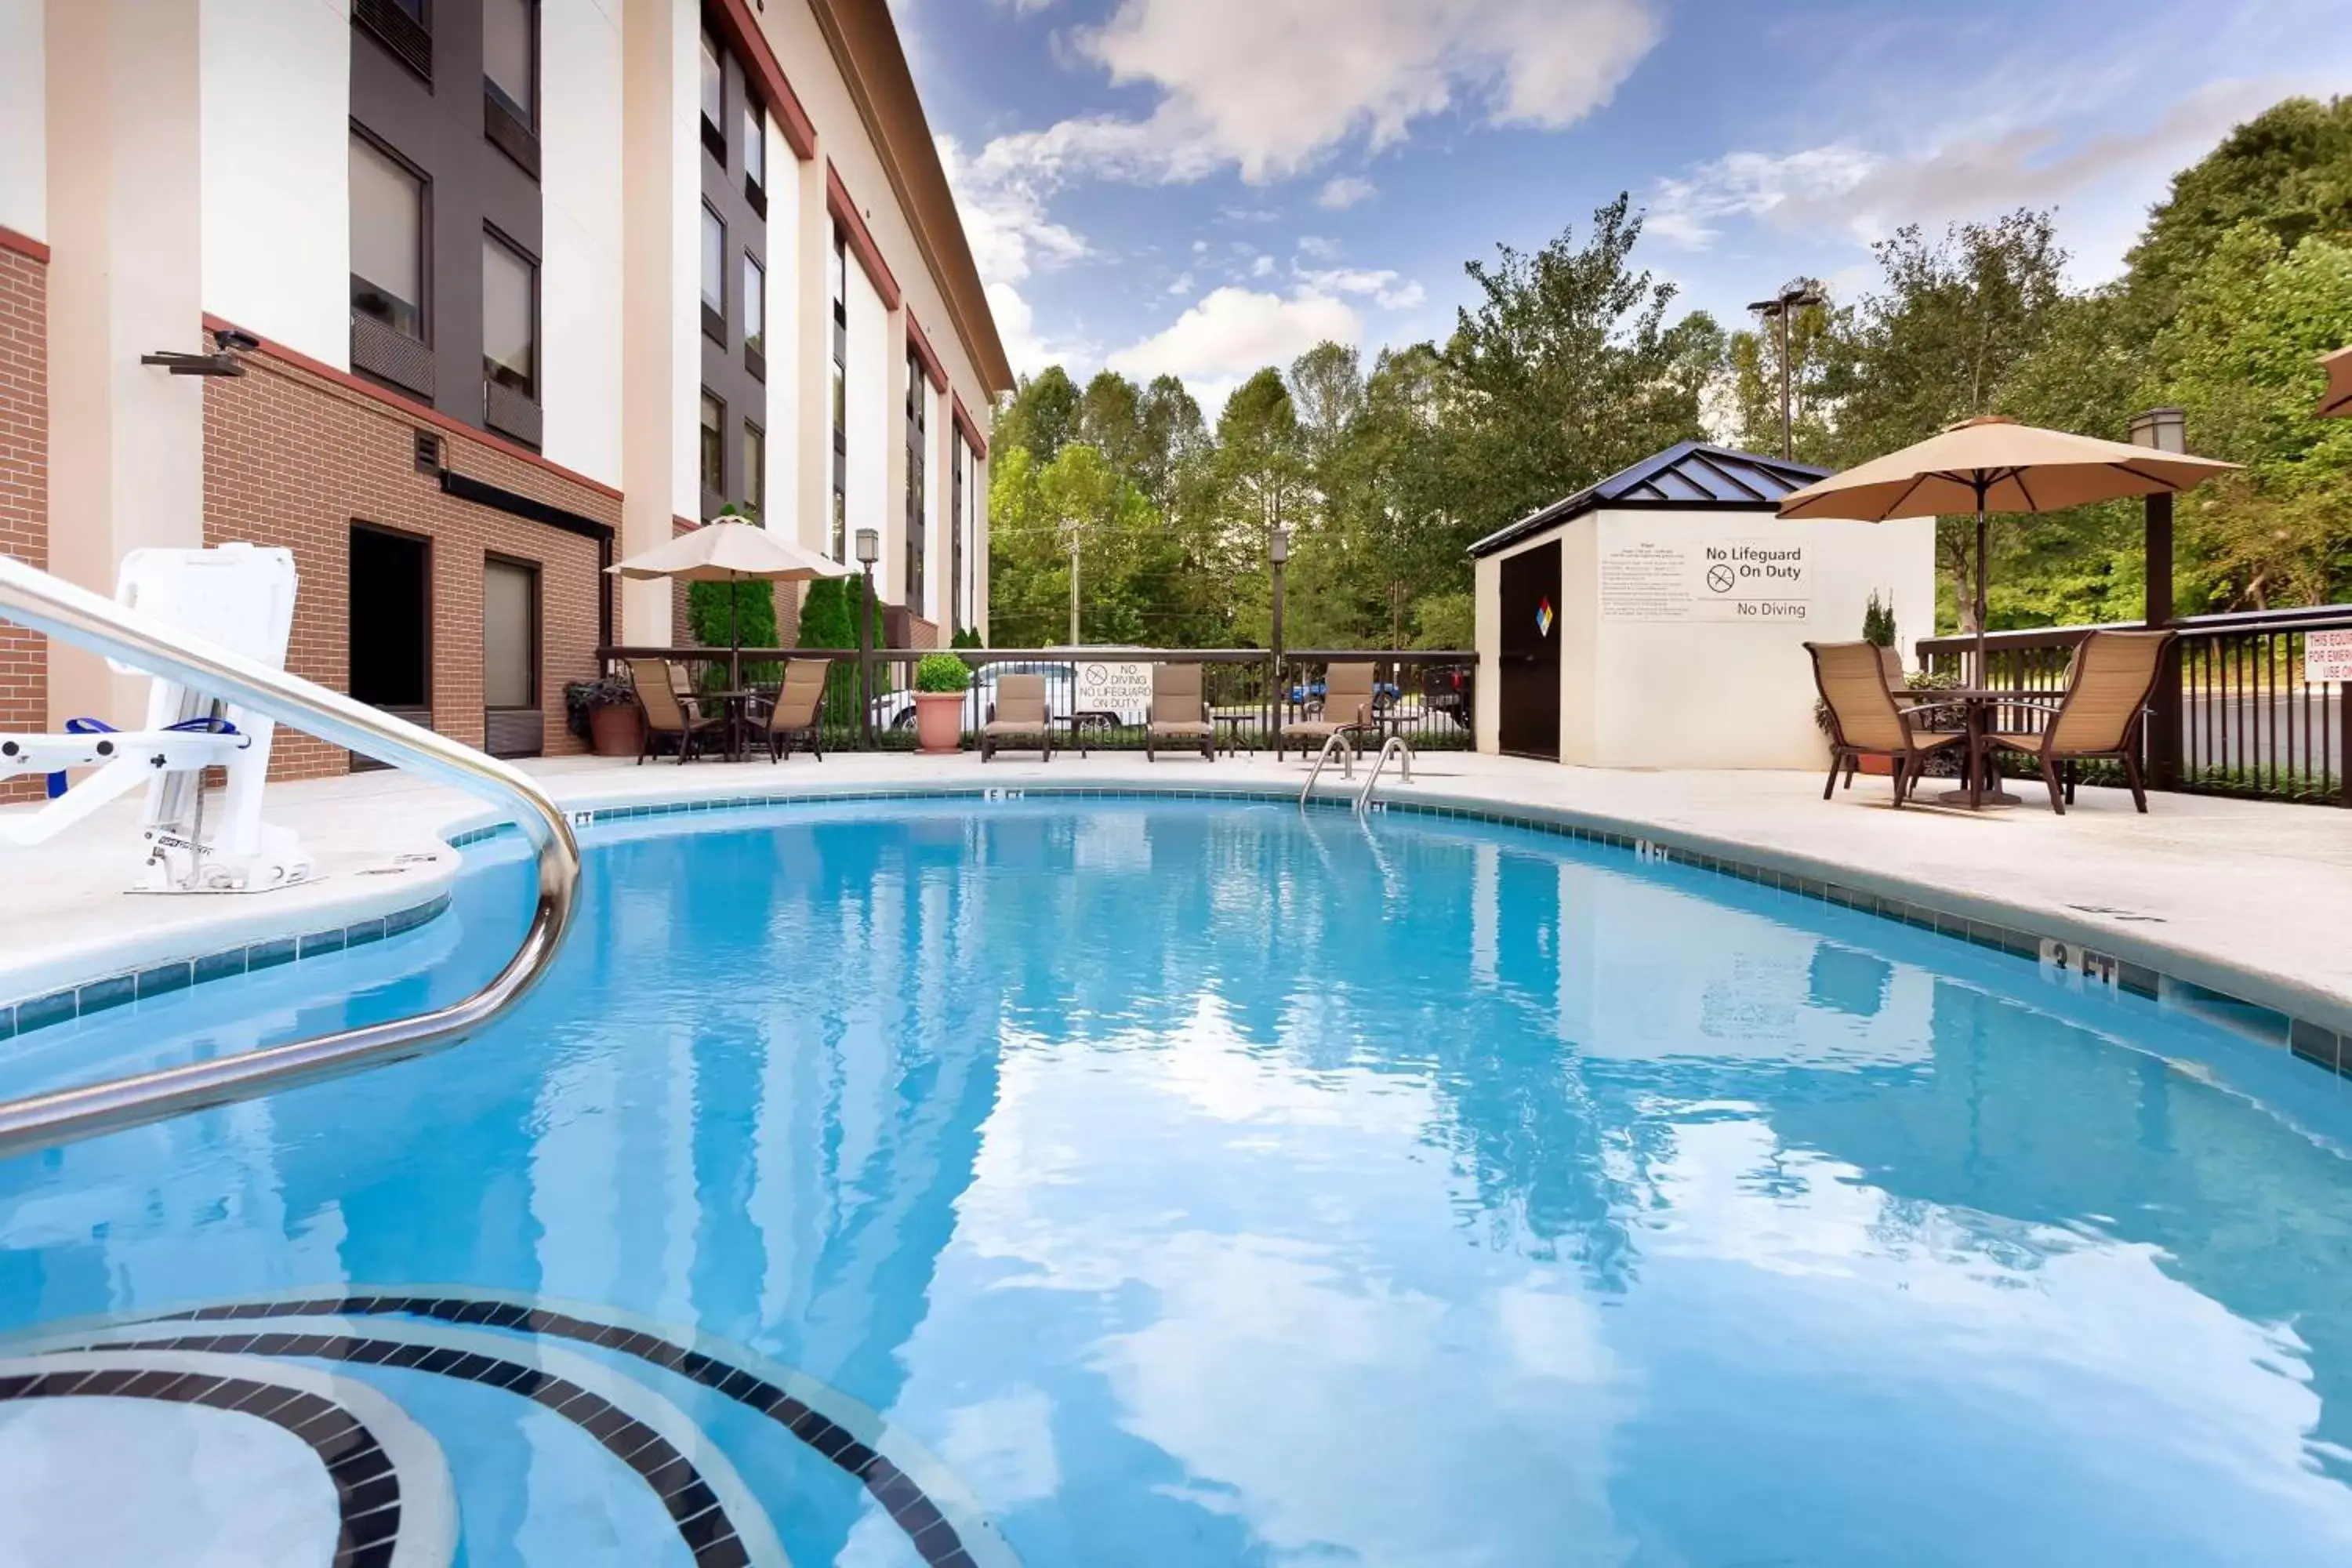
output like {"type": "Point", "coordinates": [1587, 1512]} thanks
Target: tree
{"type": "Point", "coordinates": [2288, 170]}
{"type": "Point", "coordinates": [1110, 419]}
{"type": "Point", "coordinates": [1753, 365]}
{"type": "Point", "coordinates": [1043, 413]}
{"type": "Point", "coordinates": [1565, 371]}
{"type": "Point", "coordinates": [1944, 341]}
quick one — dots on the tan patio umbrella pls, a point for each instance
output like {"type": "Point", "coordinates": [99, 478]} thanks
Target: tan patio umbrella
{"type": "Point", "coordinates": [1994, 465]}
{"type": "Point", "coordinates": [2338, 404]}
{"type": "Point", "coordinates": [729, 552]}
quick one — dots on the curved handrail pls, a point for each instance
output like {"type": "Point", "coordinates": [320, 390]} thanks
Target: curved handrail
{"type": "Point", "coordinates": [61, 610]}
{"type": "Point", "coordinates": [1346, 760]}
{"type": "Point", "coordinates": [1397, 744]}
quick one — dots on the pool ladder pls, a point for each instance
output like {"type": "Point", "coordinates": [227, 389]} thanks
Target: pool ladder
{"type": "Point", "coordinates": [1346, 762]}
{"type": "Point", "coordinates": [1395, 747]}
{"type": "Point", "coordinates": [50, 604]}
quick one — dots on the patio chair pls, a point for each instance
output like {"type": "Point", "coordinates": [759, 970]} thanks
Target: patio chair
{"type": "Point", "coordinates": [1866, 720]}
{"type": "Point", "coordinates": [1346, 709]}
{"type": "Point", "coordinates": [1179, 711]}
{"type": "Point", "coordinates": [798, 709]}
{"type": "Point", "coordinates": [668, 714]}
{"type": "Point", "coordinates": [2101, 715]}
{"type": "Point", "coordinates": [1018, 714]}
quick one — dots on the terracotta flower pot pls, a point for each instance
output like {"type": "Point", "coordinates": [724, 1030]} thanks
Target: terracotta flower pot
{"type": "Point", "coordinates": [938, 723]}
{"type": "Point", "coordinates": [616, 729]}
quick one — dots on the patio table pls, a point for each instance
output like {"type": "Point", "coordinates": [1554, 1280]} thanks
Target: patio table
{"type": "Point", "coordinates": [739, 705]}
{"type": "Point", "coordinates": [1978, 704]}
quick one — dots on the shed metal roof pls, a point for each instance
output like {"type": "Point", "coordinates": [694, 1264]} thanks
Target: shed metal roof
{"type": "Point", "coordinates": [1693, 474]}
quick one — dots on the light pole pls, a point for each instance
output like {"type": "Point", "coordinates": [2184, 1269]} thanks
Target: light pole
{"type": "Point", "coordinates": [1795, 296]}
{"type": "Point", "coordinates": [1277, 555]}
{"type": "Point", "coordinates": [869, 550]}
{"type": "Point", "coordinates": [2161, 430]}
{"type": "Point", "coordinates": [1074, 587]}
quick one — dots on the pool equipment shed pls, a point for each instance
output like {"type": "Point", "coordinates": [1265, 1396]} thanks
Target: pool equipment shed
{"type": "Point", "coordinates": [1657, 619]}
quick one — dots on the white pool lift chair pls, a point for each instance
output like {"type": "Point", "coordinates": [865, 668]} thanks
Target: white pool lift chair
{"type": "Point", "coordinates": [239, 597]}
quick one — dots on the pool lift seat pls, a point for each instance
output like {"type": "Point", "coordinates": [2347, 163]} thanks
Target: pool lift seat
{"type": "Point", "coordinates": [238, 597]}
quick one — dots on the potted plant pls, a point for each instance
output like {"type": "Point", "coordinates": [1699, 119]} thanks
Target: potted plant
{"type": "Point", "coordinates": [605, 714]}
{"type": "Point", "coordinates": [941, 681]}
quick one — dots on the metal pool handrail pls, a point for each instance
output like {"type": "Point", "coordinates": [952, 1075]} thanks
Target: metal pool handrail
{"type": "Point", "coordinates": [1346, 762]}
{"type": "Point", "coordinates": [61, 610]}
{"type": "Point", "coordinates": [1395, 746]}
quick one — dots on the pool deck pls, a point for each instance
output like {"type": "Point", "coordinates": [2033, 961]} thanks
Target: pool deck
{"type": "Point", "coordinates": [2250, 899]}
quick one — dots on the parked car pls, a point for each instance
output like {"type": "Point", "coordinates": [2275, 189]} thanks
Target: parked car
{"type": "Point", "coordinates": [895, 710]}
{"type": "Point", "coordinates": [1447, 688]}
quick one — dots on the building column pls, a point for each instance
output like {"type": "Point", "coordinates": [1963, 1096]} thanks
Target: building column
{"type": "Point", "coordinates": [126, 440]}
{"type": "Point", "coordinates": [808, 228]}
{"type": "Point", "coordinates": [661, 375]}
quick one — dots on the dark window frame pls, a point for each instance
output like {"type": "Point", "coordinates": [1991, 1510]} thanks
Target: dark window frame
{"type": "Point", "coordinates": [424, 311]}
{"type": "Point", "coordinates": [714, 135]}
{"type": "Point", "coordinates": [714, 318]}
{"type": "Point", "coordinates": [710, 442]}
{"type": "Point", "coordinates": [755, 469]}
{"type": "Point", "coordinates": [837, 284]}
{"type": "Point", "coordinates": [918, 410]}
{"type": "Point", "coordinates": [755, 301]}
{"type": "Point", "coordinates": [493, 235]}
{"type": "Point", "coordinates": [429, 544]}
{"type": "Point", "coordinates": [536, 572]}
{"type": "Point", "coordinates": [528, 113]}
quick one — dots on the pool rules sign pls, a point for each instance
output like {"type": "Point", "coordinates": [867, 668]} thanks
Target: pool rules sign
{"type": "Point", "coordinates": [1751, 580]}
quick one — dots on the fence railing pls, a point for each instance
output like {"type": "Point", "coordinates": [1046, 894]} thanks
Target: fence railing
{"type": "Point", "coordinates": [2232, 713]}
{"type": "Point", "coordinates": [1425, 695]}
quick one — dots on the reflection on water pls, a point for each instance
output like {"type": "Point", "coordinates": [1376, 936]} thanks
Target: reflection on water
{"type": "Point", "coordinates": [1219, 1185]}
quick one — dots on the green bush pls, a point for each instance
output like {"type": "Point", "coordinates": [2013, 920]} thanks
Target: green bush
{"type": "Point", "coordinates": [968, 638]}
{"type": "Point", "coordinates": [1878, 621]}
{"type": "Point", "coordinates": [942, 672]}
{"type": "Point", "coordinates": [829, 619]}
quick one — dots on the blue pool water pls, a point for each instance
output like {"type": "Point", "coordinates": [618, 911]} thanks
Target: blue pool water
{"type": "Point", "coordinates": [1192, 1184]}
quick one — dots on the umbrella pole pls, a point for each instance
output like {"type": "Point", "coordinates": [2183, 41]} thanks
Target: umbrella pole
{"type": "Point", "coordinates": [1981, 672]}
{"type": "Point", "coordinates": [735, 635]}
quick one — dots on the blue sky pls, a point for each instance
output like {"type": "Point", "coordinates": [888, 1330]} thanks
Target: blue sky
{"type": "Point", "coordinates": [1205, 187]}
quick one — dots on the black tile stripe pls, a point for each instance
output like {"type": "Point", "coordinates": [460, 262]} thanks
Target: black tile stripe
{"type": "Point", "coordinates": [367, 1492]}
{"type": "Point", "coordinates": [692, 1506]}
{"type": "Point", "coordinates": [927, 1526]}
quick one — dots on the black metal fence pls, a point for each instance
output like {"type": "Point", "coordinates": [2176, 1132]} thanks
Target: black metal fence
{"type": "Point", "coordinates": [2234, 714]}
{"type": "Point", "coordinates": [1099, 699]}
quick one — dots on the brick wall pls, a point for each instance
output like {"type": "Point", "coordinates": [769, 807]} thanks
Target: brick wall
{"type": "Point", "coordinates": [24, 489]}
{"type": "Point", "coordinates": [293, 458]}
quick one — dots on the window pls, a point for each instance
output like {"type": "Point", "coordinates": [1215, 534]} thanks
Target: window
{"type": "Point", "coordinates": [755, 144]}
{"type": "Point", "coordinates": [714, 447]}
{"type": "Point", "coordinates": [509, 635]}
{"type": "Point", "coordinates": [510, 56]}
{"type": "Point", "coordinates": [755, 305]}
{"type": "Point", "coordinates": [714, 98]}
{"type": "Point", "coordinates": [918, 397]}
{"type": "Point", "coordinates": [955, 535]}
{"type": "Point", "coordinates": [836, 271]}
{"type": "Point", "coordinates": [510, 317]}
{"type": "Point", "coordinates": [714, 276]}
{"type": "Point", "coordinates": [755, 468]}
{"type": "Point", "coordinates": [387, 239]}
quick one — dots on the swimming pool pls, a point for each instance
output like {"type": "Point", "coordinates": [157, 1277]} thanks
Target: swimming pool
{"type": "Point", "coordinates": [1116, 1181]}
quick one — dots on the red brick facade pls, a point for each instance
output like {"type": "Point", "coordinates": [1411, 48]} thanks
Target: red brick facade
{"type": "Point", "coordinates": [294, 458]}
{"type": "Point", "coordinates": [24, 487]}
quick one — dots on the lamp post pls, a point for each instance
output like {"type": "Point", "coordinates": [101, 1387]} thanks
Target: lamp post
{"type": "Point", "coordinates": [869, 550]}
{"type": "Point", "coordinates": [1277, 556]}
{"type": "Point", "coordinates": [1795, 296]}
{"type": "Point", "coordinates": [2161, 430]}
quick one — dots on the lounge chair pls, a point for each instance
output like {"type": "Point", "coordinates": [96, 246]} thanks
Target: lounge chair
{"type": "Point", "coordinates": [668, 713]}
{"type": "Point", "coordinates": [1018, 714]}
{"type": "Point", "coordinates": [1179, 711]}
{"type": "Point", "coordinates": [1865, 719]}
{"type": "Point", "coordinates": [2102, 713]}
{"type": "Point", "coordinates": [1347, 710]}
{"type": "Point", "coordinates": [798, 709]}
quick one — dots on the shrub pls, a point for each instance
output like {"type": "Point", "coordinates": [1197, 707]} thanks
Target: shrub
{"type": "Point", "coordinates": [581, 696]}
{"type": "Point", "coordinates": [829, 619]}
{"type": "Point", "coordinates": [968, 638]}
{"type": "Point", "coordinates": [1878, 621]}
{"type": "Point", "coordinates": [754, 625]}
{"type": "Point", "coordinates": [942, 672]}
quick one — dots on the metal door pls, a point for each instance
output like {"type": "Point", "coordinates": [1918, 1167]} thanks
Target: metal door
{"type": "Point", "coordinates": [1530, 673]}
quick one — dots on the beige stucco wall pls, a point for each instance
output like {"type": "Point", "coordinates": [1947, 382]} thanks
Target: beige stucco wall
{"type": "Point", "coordinates": [1704, 693]}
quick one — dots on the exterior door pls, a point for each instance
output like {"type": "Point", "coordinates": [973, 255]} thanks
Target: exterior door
{"type": "Point", "coordinates": [1530, 672]}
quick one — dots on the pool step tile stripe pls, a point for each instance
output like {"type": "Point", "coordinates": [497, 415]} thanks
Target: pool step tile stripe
{"type": "Point", "coordinates": [366, 1445]}
{"type": "Point", "coordinates": [927, 1525]}
{"type": "Point", "coordinates": [716, 1515]}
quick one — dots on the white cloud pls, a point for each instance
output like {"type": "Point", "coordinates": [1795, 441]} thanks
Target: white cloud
{"type": "Point", "coordinates": [1011, 238]}
{"type": "Point", "coordinates": [1232, 91]}
{"type": "Point", "coordinates": [1183, 286]}
{"type": "Point", "coordinates": [1845, 186]}
{"type": "Point", "coordinates": [1383, 287]}
{"type": "Point", "coordinates": [1230, 334]}
{"type": "Point", "coordinates": [1345, 192]}
{"type": "Point", "coordinates": [1262, 268]}
{"type": "Point", "coordinates": [1316, 246]}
